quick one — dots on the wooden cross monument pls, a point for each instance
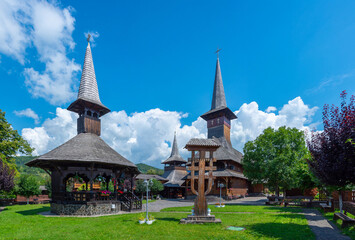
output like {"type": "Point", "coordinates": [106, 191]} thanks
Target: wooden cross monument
{"type": "Point", "coordinates": [201, 170]}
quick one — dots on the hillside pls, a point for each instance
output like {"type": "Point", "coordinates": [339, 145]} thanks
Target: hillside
{"type": "Point", "coordinates": [22, 168]}
{"type": "Point", "coordinates": [144, 168]}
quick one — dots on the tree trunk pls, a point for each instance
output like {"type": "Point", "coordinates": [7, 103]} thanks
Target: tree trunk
{"type": "Point", "coordinates": [28, 201]}
{"type": "Point", "coordinates": [340, 202]}
{"type": "Point", "coordinates": [277, 191]}
{"type": "Point", "coordinates": [284, 197]}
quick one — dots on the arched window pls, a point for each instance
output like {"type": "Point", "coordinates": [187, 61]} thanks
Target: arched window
{"type": "Point", "coordinates": [88, 113]}
{"type": "Point", "coordinates": [95, 115]}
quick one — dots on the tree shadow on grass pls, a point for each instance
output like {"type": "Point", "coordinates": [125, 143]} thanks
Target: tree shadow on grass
{"type": "Point", "coordinates": [168, 219]}
{"type": "Point", "coordinates": [34, 211]}
{"type": "Point", "coordinates": [281, 230]}
{"type": "Point", "coordinates": [283, 209]}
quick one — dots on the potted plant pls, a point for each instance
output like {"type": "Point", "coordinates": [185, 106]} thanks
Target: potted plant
{"type": "Point", "coordinates": [150, 220]}
{"type": "Point", "coordinates": [141, 219]}
{"type": "Point", "coordinates": [105, 193]}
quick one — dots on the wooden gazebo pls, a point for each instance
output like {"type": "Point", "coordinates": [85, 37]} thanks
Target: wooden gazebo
{"type": "Point", "coordinates": [88, 157]}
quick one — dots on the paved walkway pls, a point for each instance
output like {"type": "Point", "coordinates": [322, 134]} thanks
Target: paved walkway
{"type": "Point", "coordinates": [321, 227]}
{"type": "Point", "coordinates": [160, 204]}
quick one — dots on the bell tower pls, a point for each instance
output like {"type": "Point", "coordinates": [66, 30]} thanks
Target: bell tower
{"type": "Point", "coordinates": [88, 104]}
{"type": "Point", "coordinates": [220, 116]}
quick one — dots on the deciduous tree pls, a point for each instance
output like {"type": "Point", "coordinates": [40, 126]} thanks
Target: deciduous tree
{"type": "Point", "coordinates": [277, 158]}
{"type": "Point", "coordinates": [6, 177]}
{"type": "Point", "coordinates": [333, 155]}
{"type": "Point", "coordinates": [11, 142]}
{"type": "Point", "coordinates": [27, 186]}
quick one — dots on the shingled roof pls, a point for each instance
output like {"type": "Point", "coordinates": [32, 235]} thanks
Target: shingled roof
{"type": "Point", "coordinates": [226, 151]}
{"type": "Point", "coordinates": [88, 90]}
{"type": "Point", "coordinates": [175, 178]}
{"type": "Point", "coordinates": [219, 98]}
{"type": "Point", "coordinates": [175, 155]}
{"type": "Point", "coordinates": [83, 148]}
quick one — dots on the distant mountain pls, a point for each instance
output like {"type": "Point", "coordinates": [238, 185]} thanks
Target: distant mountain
{"type": "Point", "coordinates": [144, 168]}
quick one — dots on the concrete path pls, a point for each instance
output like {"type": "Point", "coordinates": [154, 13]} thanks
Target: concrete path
{"type": "Point", "coordinates": [321, 227]}
{"type": "Point", "coordinates": [166, 203]}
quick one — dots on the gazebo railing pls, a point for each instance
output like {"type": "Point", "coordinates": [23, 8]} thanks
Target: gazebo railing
{"type": "Point", "coordinates": [128, 200]}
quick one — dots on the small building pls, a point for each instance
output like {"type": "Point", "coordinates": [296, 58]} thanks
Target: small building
{"type": "Point", "coordinates": [174, 171]}
{"type": "Point", "coordinates": [87, 159]}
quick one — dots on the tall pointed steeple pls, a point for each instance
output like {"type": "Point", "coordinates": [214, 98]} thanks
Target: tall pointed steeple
{"type": "Point", "coordinates": [175, 155]}
{"type": "Point", "coordinates": [88, 104]}
{"type": "Point", "coordinates": [88, 85]}
{"type": "Point", "coordinates": [219, 98]}
{"type": "Point", "coordinates": [219, 117]}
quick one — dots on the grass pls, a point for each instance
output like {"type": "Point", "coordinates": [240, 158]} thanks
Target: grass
{"type": "Point", "coordinates": [149, 201]}
{"type": "Point", "coordinates": [23, 222]}
{"type": "Point", "coordinates": [350, 231]}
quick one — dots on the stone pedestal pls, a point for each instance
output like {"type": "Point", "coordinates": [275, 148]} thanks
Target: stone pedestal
{"type": "Point", "coordinates": [191, 219]}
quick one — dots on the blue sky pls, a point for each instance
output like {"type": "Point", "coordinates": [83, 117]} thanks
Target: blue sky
{"type": "Point", "coordinates": [160, 55]}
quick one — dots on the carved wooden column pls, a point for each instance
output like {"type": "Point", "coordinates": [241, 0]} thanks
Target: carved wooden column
{"type": "Point", "coordinates": [205, 165]}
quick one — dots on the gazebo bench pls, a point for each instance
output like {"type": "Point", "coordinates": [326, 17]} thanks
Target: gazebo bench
{"type": "Point", "coordinates": [347, 221]}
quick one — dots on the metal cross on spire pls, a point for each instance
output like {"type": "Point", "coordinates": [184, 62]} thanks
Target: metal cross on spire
{"type": "Point", "coordinates": [218, 49]}
{"type": "Point", "coordinates": [89, 36]}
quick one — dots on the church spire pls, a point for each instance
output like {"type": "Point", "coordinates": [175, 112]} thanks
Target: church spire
{"type": "Point", "coordinates": [88, 95]}
{"type": "Point", "coordinates": [175, 149]}
{"type": "Point", "coordinates": [219, 117]}
{"type": "Point", "coordinates": [175, 155]}
{"type": "Point", "coordinates": [88, 85]}
{"type": "Point", "coordinates": [219, 98]}
{"type": "Point", "coordinates": [88, 104]}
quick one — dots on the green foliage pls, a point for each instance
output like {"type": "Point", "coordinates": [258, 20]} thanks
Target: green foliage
{"type": "Point", "coordinates": [156, 187]}
{"type": "Point", "coordinates": [277, 158]}
{"type": "Point", "coordinates": [144, 168]}
{"type": "Point", "coordinates": [27, 186]}
{"type": "Point", "coordinates": [48, 185]}
{"type": "Point", "coordinates": [140, 187]}
{"type": "Point", "coordinates": [11, 142]}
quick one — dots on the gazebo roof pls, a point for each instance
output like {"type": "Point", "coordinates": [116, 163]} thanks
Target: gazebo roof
{"type": "Point", "coordinates": [83, 148]}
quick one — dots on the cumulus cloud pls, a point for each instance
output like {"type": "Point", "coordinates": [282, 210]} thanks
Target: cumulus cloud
{"type": "Point", "coordinates": [271, 109]}
{"type": "Point", "coordinates": [52, 133]}
{"type": "Point", "coordinates": [28, 112]}
{"type": "Point", "coordinates": [48, 29]}
{"type": "Point", "coordinates": [147, 136]}
{"type": "Point", "coordinates": [252, 121]}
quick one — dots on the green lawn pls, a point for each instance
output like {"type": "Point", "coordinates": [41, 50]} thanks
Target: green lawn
{"type": "Point", "coordinates": [350, 231]}
{"type": "Point", "coordinates": [22, 222]}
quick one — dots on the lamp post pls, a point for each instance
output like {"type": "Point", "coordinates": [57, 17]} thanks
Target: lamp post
{"type": "Point", "coordinates": [147, 183]}
{"type": "Point", "coordinates": [220, 185]}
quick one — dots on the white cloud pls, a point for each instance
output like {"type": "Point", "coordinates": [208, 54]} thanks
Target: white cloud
{"type": "Point", "coordinates": [28, 112]}
{"type": "Point", "coordinates": [147, 136]}
{"type": "Point", "coordinates": [48, 29]}
{"type": "Point", "coordinates": [271, 109]}
{"type": "Point", "coordinates": [251, 121]}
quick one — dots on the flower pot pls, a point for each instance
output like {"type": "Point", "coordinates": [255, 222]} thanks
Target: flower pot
{"type": "Point", "coordinates": [208, 212]}
{"type": "Point", "coordinates": [223, 205]}
{"type": "Point", "coordinates": [141, 221]}
{"type": "Point", "coordinates": [149, 222]}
